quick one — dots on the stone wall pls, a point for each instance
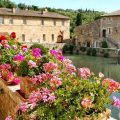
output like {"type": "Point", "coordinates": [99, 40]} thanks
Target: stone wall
{"type": "Point", "coordinates": [87, 34]}
{"type": "Point", "coordinates": [48, 45]}
{"type": "Point", "coordinates": [111, 24]}
{"type": "Point", "coordinates": [93, 32]}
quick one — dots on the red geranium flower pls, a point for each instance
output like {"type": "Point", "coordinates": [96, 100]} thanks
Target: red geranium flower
{"type": "Point", "coordinates": [2, 38]}
{"type": "Point", "coordinates": [13, 35]}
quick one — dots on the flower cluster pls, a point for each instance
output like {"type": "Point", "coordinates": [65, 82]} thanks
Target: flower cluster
{"type": "Point", "coordinates": [116, 102]}
{"type": "Point", "coordinates": [60, 89]}
{"type": "Point", "coordinates": [36, 52]}
{"type": "Point", "coordinates": [112, 85]}
{"type": "Point", "coordinates": [42, 95]}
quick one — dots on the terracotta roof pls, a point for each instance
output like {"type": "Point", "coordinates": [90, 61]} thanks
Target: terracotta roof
{"type": "Point", "coordinates": [115, 13]}
{"type": "Point", "coordinates": [18, 12]}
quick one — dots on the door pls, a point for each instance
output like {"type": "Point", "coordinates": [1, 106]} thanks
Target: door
{"type": "Point", "coordinates": [104, 33]}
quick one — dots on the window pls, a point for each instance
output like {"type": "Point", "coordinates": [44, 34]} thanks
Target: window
{"type": "Point", "coordinates": [54, 22]}
{"type": "Point", "coordinates": [52, 37]}
{"type": "Point", "coordinates": [23, 37]}
{"type": "Point", "coordinates": [42, 22]}
{"type": "Point", "coordinates": [104, 33]}
{"type": "Point", "coordinates": [109, 30]}
{"type": "Point", "coordinates": [1, 20]}
{"type": "Point", "coordinates": [10, 20]}
{"type": "Point", "coordinates": [44, 37]}
{"type": "Point", "coordinates": [24, 21]}
{"type": "Point", "coordinates": [63, 23]}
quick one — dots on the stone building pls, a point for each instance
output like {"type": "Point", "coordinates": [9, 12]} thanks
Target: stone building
{"type": "Point", "coordinates": [107, 27]}
{"type": "Point", "coordinates": [35, 26]}
{"type": "Point", "coordinates": [87, 34]}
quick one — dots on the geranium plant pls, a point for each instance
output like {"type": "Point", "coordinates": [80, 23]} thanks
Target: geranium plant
{"type": "Point", "coordinates": [62, 91]}
{"type": "Point", "coordinates": [68, 93]}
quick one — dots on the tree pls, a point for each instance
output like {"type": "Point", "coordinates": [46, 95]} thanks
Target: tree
{"type": "Point", "coordinates": [22, 6]}
{"type": "Point", "coordinates": [7, 4]}
{"type": "Point", "coordinates": [36, 8]}
{"type": "Point", "coordinates": [79, 19]}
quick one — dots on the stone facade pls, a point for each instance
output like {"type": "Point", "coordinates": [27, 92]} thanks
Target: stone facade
{"type": "Point", "coordinates": [41, 29]}
{"type": "Point", "coordinates": [108, 27]}
{"type": "Point", "coordinates": [87, 34]}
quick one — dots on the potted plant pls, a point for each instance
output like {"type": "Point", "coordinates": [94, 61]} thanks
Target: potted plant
{"type": "Point", "coordinates": [68, 93]}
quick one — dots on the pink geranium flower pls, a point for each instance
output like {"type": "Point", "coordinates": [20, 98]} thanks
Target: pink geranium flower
{"type": "Point", "coordinates": [48, 67]}
{"type": "Point", "coordinates": [55, 82]}
{"type": "Point", "coordinates": [57, 54]}
{"type": "Point", "coordinates": [16, 81]}
{"type": "Point", "coordinates": [23, 106]}
{"type": "Point", "coordinates": [36, 52]}
{"type": "Point", "coordinates": [6, 46]}
{"type": "Point", "coordinates": [14, 47]}
{"type": "Point", "coordinates": [86, 103]}
{"type": "Point", "coordinates": [8, 118]}
{"type": "Point", "coordinates": [5, 67]}
{"type": "Point", "coordinates": [112, 85]}
{"type": "Point", "coordinates": [32, 64]}
{"type": "Point", "coordinates": [70, 69]}
{"type": "Point", "coordinates": [84, 73]}
{"type": "Point", "coordinates": [18, 57]}
{"type": "Point", "coordinates": [24, 48]}
{"type": "Point", "coordinates": [116, 102]}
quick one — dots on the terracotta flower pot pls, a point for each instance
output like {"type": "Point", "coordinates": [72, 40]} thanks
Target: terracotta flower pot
{"type": "Point", "coordinates": [26, 86]}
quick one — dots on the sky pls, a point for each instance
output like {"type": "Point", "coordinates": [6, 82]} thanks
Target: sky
{"type": "Point", "coordinates": [99, 5]}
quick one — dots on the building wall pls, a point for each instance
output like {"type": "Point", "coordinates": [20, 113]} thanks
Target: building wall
{"type": "Point", "coordinates": [112, 23]}
{"type": "Point", "coordinates": [88, 33]}
{"type": "Point", "coordinates": [34, 29]}
{"type": "Point", "coordinates": [93, 32]}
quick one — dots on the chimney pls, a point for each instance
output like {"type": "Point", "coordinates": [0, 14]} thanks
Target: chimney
{"type": "Point", "coordinates": [44, 11]}
{"type": "Point", "coordinates": [13, 10]}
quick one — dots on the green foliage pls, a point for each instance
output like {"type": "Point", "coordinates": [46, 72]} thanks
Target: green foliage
{"type": "Point", "coordinates": [7, 4]}
{"type": "Point", "coordinates": [83, 49]}
{"type": "Point", "coordinates": [94, 52]}
{"type": "Point", "coordinates": [79, 19]}
{"type": "Point", "coordinates": [41, 47]}
{"type": "Point", "coordinates": [65, 48]}
{"type": "Point", "coordinates": [106, 54]}
{"type": "Point", "coordinates": [104, 44]}
{"type": "Point", "coordinates": [71, 47]}
{"type": "Point", "coordinates": [89, 51]}
{"type": "Point", "coordinates": [68, 48]}
{"type": "Point", "coordinates": [22, 6]}
{"type": "Point", "coordinates": [23, 69]}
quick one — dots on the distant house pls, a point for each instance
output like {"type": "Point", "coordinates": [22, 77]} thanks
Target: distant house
{"type": "Point", "coordinates": [35, 26]}
{"type": "Point", "coordinates": [107, 27]}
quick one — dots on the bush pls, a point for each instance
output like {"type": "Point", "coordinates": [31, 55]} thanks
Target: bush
{"type": "Point", "coordinates": [83, 49]}
{"type": "Point", "coordinates": [43, 49]}
{"type": "Point", "coordinates": [65, 48]}
{"type": "Point", "coordinates": [94, 52]}
{"type": "Point", "coordinates": [104, 44]}
{"type": "Point", "coordinates": [106, 54]}
{"type": "Point", "coordinates": [89, 51]}
{"type": "Point", "coordinates": [77, 52]}
{"type": "Point", "coordinates": [71, 47]}
{"type": "Point", "coordinates": [23, 69]}
{"type": "Point", "coordinates": [68, 48]}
